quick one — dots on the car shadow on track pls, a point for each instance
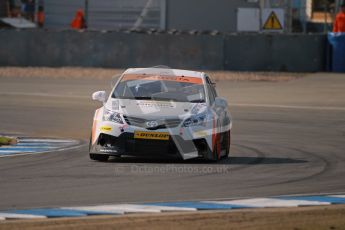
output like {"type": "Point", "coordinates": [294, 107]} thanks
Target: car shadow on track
{"type": "Point", "coordinates": [234, 160]}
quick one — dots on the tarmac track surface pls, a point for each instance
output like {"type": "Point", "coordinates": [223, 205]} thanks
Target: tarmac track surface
{"type": "Point", "coordinates": [287, 138]}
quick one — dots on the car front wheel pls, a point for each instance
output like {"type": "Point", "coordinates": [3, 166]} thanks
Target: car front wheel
{"type": "Point", "coordinates": [226, 141]}
{"type": "Point", "coordinates": [99, 157]}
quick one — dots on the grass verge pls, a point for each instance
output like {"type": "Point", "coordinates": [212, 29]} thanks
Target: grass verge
{"type": "Point", "coordinates": [7, 140]}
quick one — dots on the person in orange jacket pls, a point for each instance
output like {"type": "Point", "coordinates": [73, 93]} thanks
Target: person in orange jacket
{"type": "Point", "coordinates": [339, 23]}
{"type": "Point", "coordinates": [79, 20]}
{"type": "Point", "coordinates": [40, 17]}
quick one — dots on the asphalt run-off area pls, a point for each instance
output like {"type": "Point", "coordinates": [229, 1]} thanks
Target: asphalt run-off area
{"type": "Point", "coordinates": [287, 151]}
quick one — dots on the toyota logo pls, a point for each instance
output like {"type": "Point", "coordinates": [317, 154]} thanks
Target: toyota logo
{"type": "Point", "coordinates": [152, 124]}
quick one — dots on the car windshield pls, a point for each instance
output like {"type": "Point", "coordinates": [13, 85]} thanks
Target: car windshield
{"type": "Point", "coordinates": [166, 88]}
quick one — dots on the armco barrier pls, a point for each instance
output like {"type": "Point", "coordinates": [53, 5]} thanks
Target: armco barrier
{"type": "Point", "coordinates": [300, 53]}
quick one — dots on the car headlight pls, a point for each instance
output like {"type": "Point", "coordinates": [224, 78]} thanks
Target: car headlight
{"type": "Point", "coordinates": [195, 120]}
{"type": "Point", "coordinates": [109, 115]}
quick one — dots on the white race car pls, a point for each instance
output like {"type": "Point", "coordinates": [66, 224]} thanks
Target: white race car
{"type": "Point", "coordinates": [161, 112]}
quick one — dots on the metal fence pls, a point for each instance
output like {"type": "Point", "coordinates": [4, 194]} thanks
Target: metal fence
{"type": "Point", "coordinates": [107, 15]}
{"type": "Point", "coordinates": [306, 15]}
{"type": "Point", "coordinates": [205, 15]}
{"type": "Point", "coordinates": [3, 8]}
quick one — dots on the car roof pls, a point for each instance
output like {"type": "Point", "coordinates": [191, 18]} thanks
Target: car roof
{"type": "Point", "coordinates": [165, 71]}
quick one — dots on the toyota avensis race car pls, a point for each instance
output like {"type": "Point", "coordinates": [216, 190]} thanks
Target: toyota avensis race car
{"type": "Point", "coordinates": [161, 112]}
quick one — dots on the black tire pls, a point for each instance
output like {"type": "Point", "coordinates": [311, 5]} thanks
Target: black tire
{"type": "Point", "coordinates": [99, 157]}
{"type": "Point", "coordinates": [226, 144]}
{"type": "Point", "coordinates": [212, 154]}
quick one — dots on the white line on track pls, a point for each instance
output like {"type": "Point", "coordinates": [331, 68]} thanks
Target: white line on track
{"type": "Point", "coordinates": [270, 202]}
{"type": "Point", "coordinates": [32, 147]}
{"type": "Point", "coordinates": [20, 216]}
{"type": "Point", "coordinates": [22, 140]}
{"type": "Point", "coordinates": [130, 208]}
{"type": "Point", "coordinates": [147, 208]}
{"type": "Point", "coordinates": [340, 194]}
{"type": "Point", "coordinates": [236, 104]}
{"type": "Point", "coordinates": [290, 107]}
{"type": "Point", "coordinates": [16, 151]}
{"type": "Point", "coordinates": [118, 209]}
{"type": "Point", "coordinates": [44, 95]}
{"type": "Point", "coordinates": [35, 145]}
{"type": "Point", "coordinates": [37, 153]}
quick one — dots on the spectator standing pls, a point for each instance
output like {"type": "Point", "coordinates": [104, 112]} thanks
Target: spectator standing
{"type": "Point", "coordinates": [40, 16]}
{"type": "Point", "coordinates": [339, 23]}
{"type": "Point", "coordinates": [14, 8]}
{"type": "Point", "coordinates": [23, 8]}
{"type": "Point", "coordinates": [30, 10]}
{"type": "Point", "coordinates": [79, 20]}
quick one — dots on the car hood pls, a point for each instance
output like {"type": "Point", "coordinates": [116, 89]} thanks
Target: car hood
{"type": "Point", "coordinates": [150, 108]}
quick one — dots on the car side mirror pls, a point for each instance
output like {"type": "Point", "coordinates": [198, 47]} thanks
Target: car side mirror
{"type": "Point", "coordinates": [99, 96]}
{"type": "Point", "coordinates": [220, 102]}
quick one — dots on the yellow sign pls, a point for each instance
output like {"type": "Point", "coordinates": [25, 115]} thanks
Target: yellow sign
{"type": "Point", "coordinates": [151, 135]}
{"type": "Point", "coordinates": [106, 128]}
{"type": "Point", "coordinates": [272, 22]}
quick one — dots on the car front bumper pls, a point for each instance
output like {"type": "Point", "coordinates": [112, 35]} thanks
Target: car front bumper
{"type": "Point", "coordinates": [126, 144]}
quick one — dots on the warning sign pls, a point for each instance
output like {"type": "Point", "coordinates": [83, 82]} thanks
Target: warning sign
{"type": "Point", "coordinates": [273, 19]}
{"type": "Point", "coordinates": [272, 23]}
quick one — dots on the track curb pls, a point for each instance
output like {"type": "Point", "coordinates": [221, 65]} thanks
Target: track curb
{"type": "Point", "coordinates": [33, 145]}
{"type": "Point", "coordinates": [181, 206]}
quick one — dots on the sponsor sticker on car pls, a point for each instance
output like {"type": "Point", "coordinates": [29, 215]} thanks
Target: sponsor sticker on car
{"type": "Point", "coordinates": [153, 77]}
{"type": "Point", "coordinates": [151, 135]}
{"type": "Point", "coordinates": [106, 128]}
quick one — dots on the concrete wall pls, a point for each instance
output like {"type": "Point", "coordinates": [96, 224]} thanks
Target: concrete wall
{"type": "Point", "coordinates": [70, 48]}
{"type": "Point", "coordinates": [293, 53]}
{"type": "Point", "coordinates": [205, 15]}
{"type": "Point", "coordinates": [300, 53]}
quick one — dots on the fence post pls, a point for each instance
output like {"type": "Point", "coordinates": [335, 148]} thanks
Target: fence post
{"type": "Point", "coordinates": [163, 16]}
{"type": "Point", "coordinates": [86, 13]}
